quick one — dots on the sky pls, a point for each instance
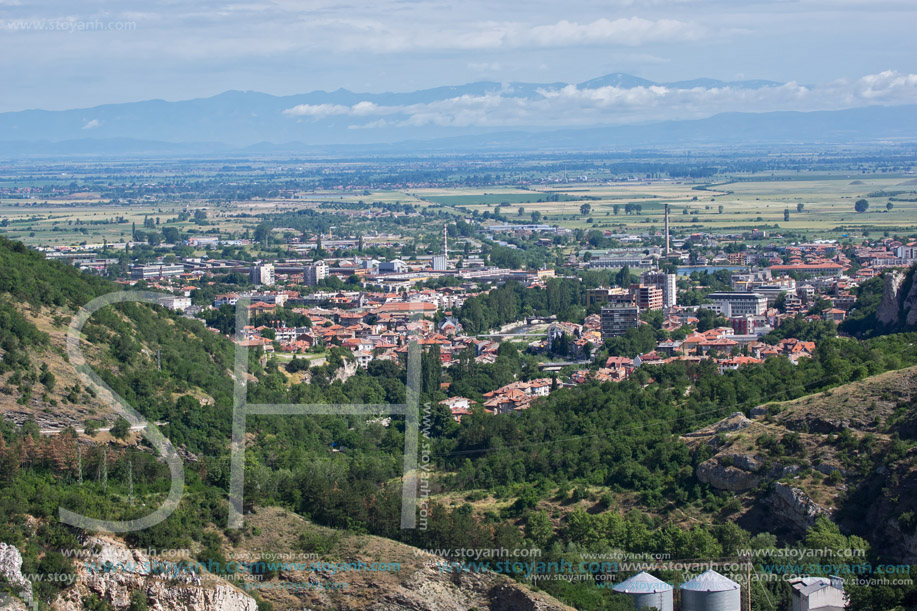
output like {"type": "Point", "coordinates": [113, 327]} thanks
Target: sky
{"type": "Point", "coordinates": [61, 54]}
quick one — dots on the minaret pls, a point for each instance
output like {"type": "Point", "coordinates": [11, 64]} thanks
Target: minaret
{"type": "Point", "coordinates": [666, 230]}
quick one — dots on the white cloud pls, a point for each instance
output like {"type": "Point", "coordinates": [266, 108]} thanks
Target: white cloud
{"type": "Point", "coordinates": [92, 124]}
{"type": "Point", "coordinates": [317, 110]}
{"type": "Point", "coordinates": [631, 32]}
{"type": "Point", "coordinates": [573, 106]}
{"type": "Point", "coordinates": [489, 35]}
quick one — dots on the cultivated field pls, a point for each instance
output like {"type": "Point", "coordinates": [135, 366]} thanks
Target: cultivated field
{"type": "Point", "coordinates": [728, 205]}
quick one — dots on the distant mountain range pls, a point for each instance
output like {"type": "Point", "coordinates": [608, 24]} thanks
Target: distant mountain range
{"type": "Point", "coordinates": [256, 123]}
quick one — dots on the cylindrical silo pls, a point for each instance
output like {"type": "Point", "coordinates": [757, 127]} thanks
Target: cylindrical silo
{"type": "Point", "coordinates": [710, 591]}
{"type": "Point", "coordinates": [647, 592]}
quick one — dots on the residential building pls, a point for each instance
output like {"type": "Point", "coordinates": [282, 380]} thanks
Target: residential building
{"type": "Point", "coordinates": [604, 296]}
{"type": "Point", "coordinates": [262, 274]}
{"type": "Point", "coordinates": [665, 282]}
{"type": "Point", "coordinates": [314, 273]}
{"type": "Point", "coordinates": [617, 319]}
{"type": "Point", "coordinates": [648, 297]}
{"type": "Point", "coordinates": [739, 304]}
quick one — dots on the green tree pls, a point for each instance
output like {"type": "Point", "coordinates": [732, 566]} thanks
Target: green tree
{"type": "Point", "coordinates": [585, 209]}
{"type": "Point", "coordinates": [538, 528]}
{"type": "Point", "coordinates": [138, 601]}
{"type": "Point", "coordinates": [91, 427]}
{"type": "Point", "coordinates": [861, 205]}
{"type": "Point", "coordinates": [120, 428]}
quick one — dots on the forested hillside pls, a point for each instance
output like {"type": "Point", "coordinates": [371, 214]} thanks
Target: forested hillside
{"type": "Point", "coordinates": [588, 470]}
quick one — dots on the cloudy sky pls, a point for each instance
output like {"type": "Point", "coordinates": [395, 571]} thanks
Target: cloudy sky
{"type": "Point", "coordinates": [58, 54]}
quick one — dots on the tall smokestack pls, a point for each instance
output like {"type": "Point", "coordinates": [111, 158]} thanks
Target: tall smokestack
{"type": "Point", "coordinates": [445, 243]}
{"type": "Point", "coordinates": [666, 230]}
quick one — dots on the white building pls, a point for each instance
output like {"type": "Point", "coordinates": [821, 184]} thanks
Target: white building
{"type": "Point", "coordinates": [440, 263]}
{"type": "Point", "coordinates": [739, 304]}
{"type": "Point", "coordinates": [175, 303]}
{"type": "Point", "coordinates": [315, 273]}
{"type": "Point", "coordinates": [818, 594]}
{"type": "Point", "coordinates": [262, 274]}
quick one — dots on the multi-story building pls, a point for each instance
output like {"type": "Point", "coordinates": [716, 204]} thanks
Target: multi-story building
{"type": "Point", "coordinates": [262, 274]}
{"type": "Point", "coordinates": [440, 263]}
{"type": "Point", "coordinates": [648, 297]}
{"type": "Point", "coordinates": [665, 282]}
{"type": "Point", "coordinates": [604, 296]}
{"type": "Point", "coordinates": [315, 273]}
{"type": "Point", "coordinates": [740, 304]}
{"type": "Point", "coordinates": [145, 272]}
{"type": "Point", "coordinates": [618, 262]}
{"type": "Point", "coordinates": [617, 319]}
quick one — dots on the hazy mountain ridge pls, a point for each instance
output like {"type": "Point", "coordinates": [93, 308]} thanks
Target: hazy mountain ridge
{"type": "Point", "coordinates": [234, 120]}
{"type": "Point", "coordinates": [865, 125]}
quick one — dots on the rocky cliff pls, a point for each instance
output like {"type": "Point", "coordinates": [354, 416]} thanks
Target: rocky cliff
{"type": "Point", "coordinates": [114, 571]}
{"type": "Point", "coordinates": [898, 306]}
{"type": "Point", "coordinates": [111, 572]}
{"type": "Point", "coordinates": [795, 506]}
{"type": "Point", "coordinates": [887, 314]}
{"type": "Point", "coordinates": [11, 573]}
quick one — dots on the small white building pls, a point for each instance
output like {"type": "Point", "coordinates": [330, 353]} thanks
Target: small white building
{"type": "Point", "coordinates": [363, 358]}
{"type": "Point", "coordinates": [175, 303]}
{"type": "Point", "coordinates": [818, 594]}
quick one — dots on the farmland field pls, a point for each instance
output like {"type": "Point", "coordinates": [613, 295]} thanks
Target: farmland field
{"type": "Point", "coordinates": [822, 205]}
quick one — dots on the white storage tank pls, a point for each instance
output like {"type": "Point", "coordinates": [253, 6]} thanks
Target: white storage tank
{"type": "Point", "coordinates": [647, 592]}
{"type": "Point", "coordinates": [711, 591]}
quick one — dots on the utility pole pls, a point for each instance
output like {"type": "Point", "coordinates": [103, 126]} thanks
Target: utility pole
{"type": "Point", "coordinates": [130, 481]}
{"type": "Point", "coordinates": [103, 468]}
{"type": "Point", "coordinates": [748, 581]}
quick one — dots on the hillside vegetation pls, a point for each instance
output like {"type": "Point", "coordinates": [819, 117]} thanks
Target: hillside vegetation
{"type": "Point", "coordinates": [589, 470]}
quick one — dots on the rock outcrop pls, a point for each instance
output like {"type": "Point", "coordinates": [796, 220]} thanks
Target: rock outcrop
{"type": "Point", "coordinates": [114, 571]}
{"type": "Point", "coordinates": [11, 571]}
{"type": "Point", "coordinates": [432, 589]}
{"type": "Point", "coordinates": [910, 305]}
{"type": "Point", "coordinates": [730, 424]}
{"type": "Point", "coordinates": [795, 506]}
{"type": "Point", "coordinates": [887, 313]}
{"type": "Point", "coordinates": [733, 472]}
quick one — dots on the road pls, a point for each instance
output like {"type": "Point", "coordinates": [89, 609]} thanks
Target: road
{"type": "Point", "coordinates": [104, 429]}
